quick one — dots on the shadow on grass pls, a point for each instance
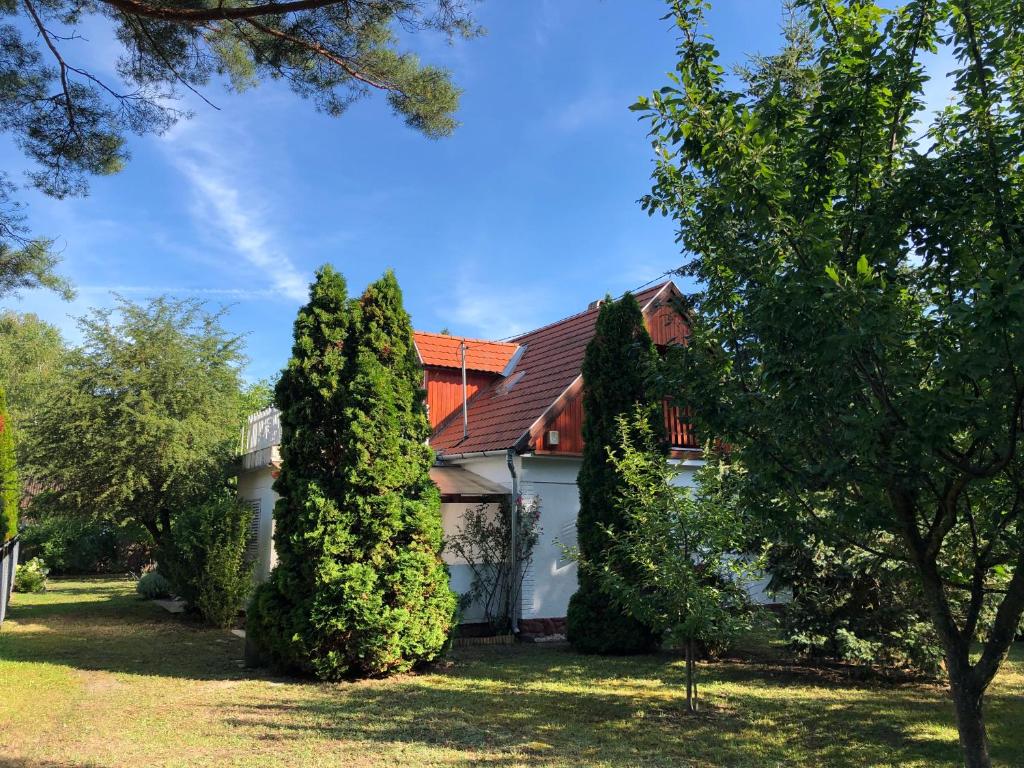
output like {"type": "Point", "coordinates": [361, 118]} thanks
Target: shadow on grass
{"type": "Point", "coordinates": [542, 706]}
{"type": "Point", "coordinates": [106, 627]}
{"type": "Point", "coordinates": [551, 707]}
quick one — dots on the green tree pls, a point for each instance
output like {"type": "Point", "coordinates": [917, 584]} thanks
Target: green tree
{"type": "Point", "coordinates": [360, 588]}
{"type": "Point", "coordinates": [257, 395]}
{"type": "Point", "coordinates": [31, 353]}
{"type": "Point", "coordinates": [684, 580]}
{"type": "Point", "coordinates": [10, 489]}
{"type": "Point", "coordinates": [307, 521]}
{"type": "Point", "coordinates": [26, 263]}
{"type": "Point", "coordinates": [206, 561]}
{"type": "Point", "coordinates": [859, 331]}
{"type": "Point", "coordinates": [617, 368]}
{"type": "Point", "coordinates": [842, 606]}
{"type": "Point", "coordinates": [144, 420]}
{"type": "Point", "coordinates": [72, 123]}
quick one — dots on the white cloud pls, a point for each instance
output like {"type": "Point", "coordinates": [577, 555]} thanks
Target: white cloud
{"type": "Point", "coordinates": [232, 206]}
{"type": "Point", "coordinates": [239, 220]}
{"type": "Point", "coordinates": [594, 106]}
{"type": "Point", "coordinates": [491, 312]}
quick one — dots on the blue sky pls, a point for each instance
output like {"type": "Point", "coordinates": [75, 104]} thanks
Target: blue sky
{"type": "Point", "coordinates": [525, 215]}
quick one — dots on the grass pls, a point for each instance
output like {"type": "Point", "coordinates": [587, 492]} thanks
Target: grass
{"type": "Point", "coordinates": [92, 676]}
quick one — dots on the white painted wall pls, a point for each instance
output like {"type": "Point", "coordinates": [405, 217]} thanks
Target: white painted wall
{"type": "Point", "coordinates": [256, 486]}
{"type": "Point", "coordinates": [550, 579]}
{"type": "Point", "coordinates": [460, 574]}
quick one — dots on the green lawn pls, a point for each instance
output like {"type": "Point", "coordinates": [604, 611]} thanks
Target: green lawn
{"type": "Point", "coordinates": [92, 676]}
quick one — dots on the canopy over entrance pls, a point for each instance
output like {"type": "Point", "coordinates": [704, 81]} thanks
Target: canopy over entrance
{"type": "Point", "coordinates": [458, 484]}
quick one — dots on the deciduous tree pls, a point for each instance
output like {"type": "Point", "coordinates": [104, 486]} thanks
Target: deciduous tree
{"type": "Point", "coordinates": [144, 418]}
{"type": "Point", "coordinates": [31, 355]}
{"type": "Point", "coordinates": [859, 329]}
{"type": "Point", "coordinates": [669, 560]}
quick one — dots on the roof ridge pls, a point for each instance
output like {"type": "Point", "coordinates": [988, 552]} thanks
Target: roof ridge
{"type": "Point", "coordinates": [465, 338]}
{"type": "Point", "coordinates": [656, 288]}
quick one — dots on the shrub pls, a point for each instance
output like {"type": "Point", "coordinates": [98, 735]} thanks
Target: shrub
{"type": "Point", "coordinates": [30, 576]}
{"type": "Point", "coordinates": [484, 541]}
{"type": "Point", "coordinates": [78, 544]}
{"type": "Point", "coordinates": [205, 561]}
{"type": "Point", "coordinates": [841, 611]}
{"type": "Point", "coordinates": [153, 586]}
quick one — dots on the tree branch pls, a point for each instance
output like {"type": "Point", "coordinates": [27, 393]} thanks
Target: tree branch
{"type": "Point", "coordinates": [320, 50]}
{"type": "Point", "coordinates": [220, 12]}
{"type": "Point", "coordinates": [69, 105]}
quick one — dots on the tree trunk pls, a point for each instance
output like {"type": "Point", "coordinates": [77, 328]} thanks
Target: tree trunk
{"type": "Point", "coordinates": [970, 722]}
{"type": "Point", "coordinates": [691, 688]}
{"type": "Point", "coordinates": [965, 685]}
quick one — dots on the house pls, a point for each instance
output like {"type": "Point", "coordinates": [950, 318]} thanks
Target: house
{"type": "Point", "coordinates": [507, 420]}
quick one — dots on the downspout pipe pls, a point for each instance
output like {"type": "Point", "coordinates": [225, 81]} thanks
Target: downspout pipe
{"type": "Point", "coordinates": [465, 391]}
{"type": "Point", "coordinates": [514, 596]}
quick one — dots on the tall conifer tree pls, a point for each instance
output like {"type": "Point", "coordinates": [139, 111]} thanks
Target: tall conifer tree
{"type": "Point", "coordinates": [306, 519]}
{"type": "Point", "coordinates": [360, 589]}
{"type": "Point", "coordinates": [10, 491]}
{"type": "Point", "coordinates": [616, 370]}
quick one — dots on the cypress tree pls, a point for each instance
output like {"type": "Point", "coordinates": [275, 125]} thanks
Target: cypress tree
{"type": "Point", "coordinates": [359, 589]}
{"type": "Point", "coordinates": [616, 368]}
{"type": "Point", "coordinates": [10, 491]}
{"type": "Point", "coordinates": [307, 521]}
{"type": "Point", "coordinates": [399, 608]}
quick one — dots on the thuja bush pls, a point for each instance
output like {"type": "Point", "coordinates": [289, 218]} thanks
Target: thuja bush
{"type": "Point", "coordinates": [359, 588]}
{"type": "Point", "coordinates": [616, 370]}
{"type": "Point", "coordinates": [205, 561]}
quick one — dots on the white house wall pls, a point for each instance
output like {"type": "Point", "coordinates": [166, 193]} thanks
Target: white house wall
{"type": "Point", "coordinates": [460, 573]}
{"type": "Point", "coordinates": [256, 488]}
{"type": "Point", "coordinates": [550, 580]}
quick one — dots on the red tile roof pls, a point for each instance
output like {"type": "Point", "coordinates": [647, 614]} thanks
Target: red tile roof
{"type": "Point", "coordinates": [503, 413]}
{"type": "Point", "coordinates": [443, 351]}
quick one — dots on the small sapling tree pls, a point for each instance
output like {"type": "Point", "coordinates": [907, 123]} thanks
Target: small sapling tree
{"type": "Point", "coordinates": [686, 579]}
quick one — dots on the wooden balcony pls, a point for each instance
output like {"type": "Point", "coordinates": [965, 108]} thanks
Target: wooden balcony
{"type": "Point", "coordinates": [679, 427]}
{"type": "Point", "coordinates": [261, 437]}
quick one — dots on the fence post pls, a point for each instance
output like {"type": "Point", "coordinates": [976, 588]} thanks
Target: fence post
{"type": "Point", "coordinates": [8, 562]}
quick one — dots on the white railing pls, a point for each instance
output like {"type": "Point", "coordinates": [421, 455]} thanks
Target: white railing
{"type": "Point", "coordinates": [262, 430]}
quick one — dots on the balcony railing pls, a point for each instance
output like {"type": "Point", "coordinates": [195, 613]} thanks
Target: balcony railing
{"type": "Point", "coordinates": [262, 430]}
{"type": "Point", "coordinates": [679, 427]}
